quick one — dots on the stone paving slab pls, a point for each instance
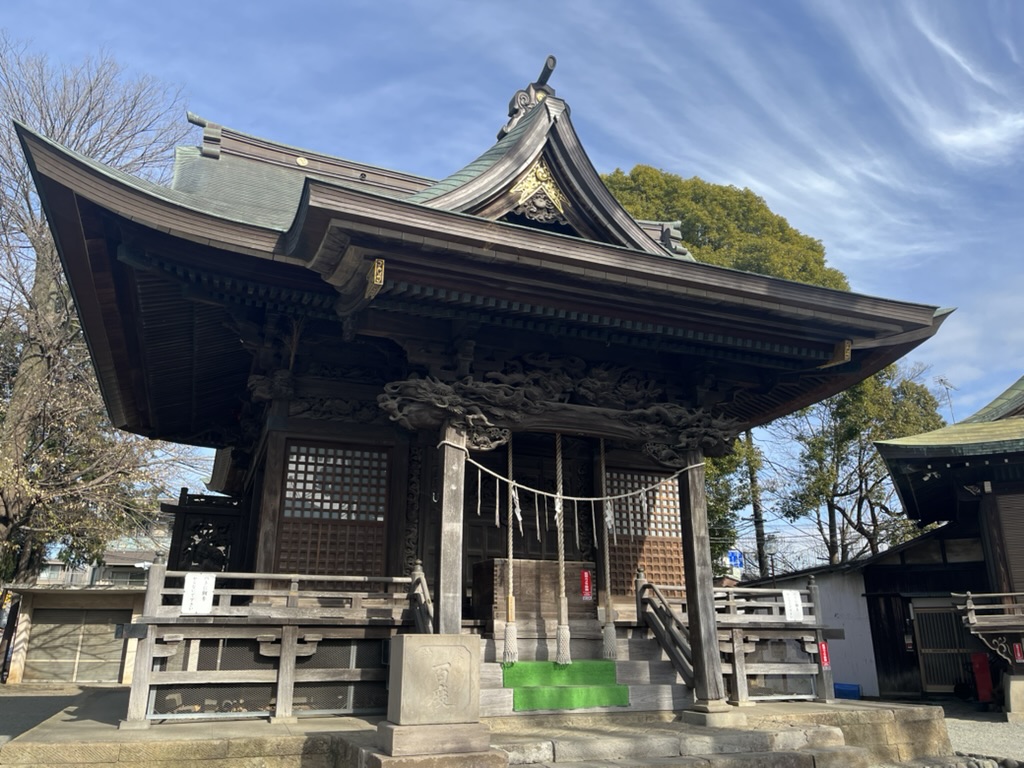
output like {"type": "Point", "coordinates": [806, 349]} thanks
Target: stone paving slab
{"type": "Point", "coordinates": [802, 735]}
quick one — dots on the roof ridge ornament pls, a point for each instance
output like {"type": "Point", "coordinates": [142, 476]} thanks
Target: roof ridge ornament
{"type": "Point", "coordinates": [525, 100]}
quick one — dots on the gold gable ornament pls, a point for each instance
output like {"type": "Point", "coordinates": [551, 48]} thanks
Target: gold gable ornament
{"type": "Point", "coordinates": [540, 199]}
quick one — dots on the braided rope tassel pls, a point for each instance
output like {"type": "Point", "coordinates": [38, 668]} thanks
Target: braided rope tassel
{"type": "Point", "coordinates": [576, 523]}
{"type": "Point", "coordinates": [562, 637]}
{"type": "Point", "coordinates": [479, 490]}
{"type": "Point", "coordinates": [511, 652]}
{"type": "Point", "coordinates": [609, 649]}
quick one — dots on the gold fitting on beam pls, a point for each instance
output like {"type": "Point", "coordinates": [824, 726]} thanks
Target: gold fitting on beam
{"type": "Point", "coordinates": [374, 279]}
{"type": "Point", "coordinates": [841, 353]}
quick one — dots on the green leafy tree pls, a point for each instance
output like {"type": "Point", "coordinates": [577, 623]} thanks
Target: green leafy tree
{"type": "Point", "coordinates": [68, 479]}
{"type": "Point", "coordinates": [734, 228]}
{"type": "Point", "coordinates": [725, 225]}
{"type": "Point", "coordinates": [837, 479]}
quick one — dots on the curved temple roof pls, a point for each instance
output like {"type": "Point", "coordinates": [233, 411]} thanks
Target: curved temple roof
{"type": "Point", "coordinates": [524, 240]}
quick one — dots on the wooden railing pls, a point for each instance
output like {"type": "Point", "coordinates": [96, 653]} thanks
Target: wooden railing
{"type": "Point", "coordinates": [749, 621]}
{"type": "Point", "coordinates": [667, 623]}
{"type": "Point", "coordinates": [227, 635]}
{"type": "Point", "coordinates": [995, 610]}
{"type": "Point", "coordinates": [997, 619]}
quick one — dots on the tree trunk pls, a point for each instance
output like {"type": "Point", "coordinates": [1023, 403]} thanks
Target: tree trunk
{"type": "Point", "coordinates": [755, 505]}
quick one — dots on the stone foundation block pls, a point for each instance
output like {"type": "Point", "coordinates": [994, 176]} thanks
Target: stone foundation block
{"type": "Point", "coordinates": [762, 760]}
{"type": "Point", "coordinates": [432, 739]}
{"type": "Point", "coordinates": [614, 748]}
{"type": "Point", "coordinates": [841, 757]}
{"type": "Point", "coordinates": [528, 752]}
{"type": "Point", "coordinates": [730, 718]}
{"type": "Point", "coordinates": [35, 754]}
{"type": "Point", "coordinates": [712, 742]}
{"type": "Point", "coordinates": [491, 759]}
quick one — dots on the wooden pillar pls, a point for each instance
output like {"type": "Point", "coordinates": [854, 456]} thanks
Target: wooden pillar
{"type": "Point", "coordinates": [709, 690]}
{"type": "Point", "coordinates": [271, 501]}
{"type": "Point", "coordinates": [449, 590]}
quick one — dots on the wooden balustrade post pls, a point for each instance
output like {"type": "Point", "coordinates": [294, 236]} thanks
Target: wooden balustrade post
{"type": "Point", "coordinates": [138, 698]}
{"type": "Point", "coordinates": [639, 582]}
{"type": "Point", "coordinates": [740, 689]}
{"type": "Point", "coordinates": [824, 684]}
{"type": "Point", "coordinates": [286, 675]}
{"type": "Point", "coordinates": [155, 578]}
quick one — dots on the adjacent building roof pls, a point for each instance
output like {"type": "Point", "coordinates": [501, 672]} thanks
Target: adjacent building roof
{"type": "Point", "coordinates": [931, 470]}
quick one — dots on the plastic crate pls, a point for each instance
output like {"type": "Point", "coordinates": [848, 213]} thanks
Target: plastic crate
{"type": "Point", "coordinates": [847, 690]}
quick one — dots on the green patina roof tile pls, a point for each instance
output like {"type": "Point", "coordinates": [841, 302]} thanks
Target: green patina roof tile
{"type": "Point", "coordinates": [482, 164]}
{"type": "Point", "coordinates": [1009, 403]}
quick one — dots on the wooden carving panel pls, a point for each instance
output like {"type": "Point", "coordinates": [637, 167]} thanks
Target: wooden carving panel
{"type": "Point", "coordinates": [334, 510]}
{"type": "Point", "coordinates": [647, 531]}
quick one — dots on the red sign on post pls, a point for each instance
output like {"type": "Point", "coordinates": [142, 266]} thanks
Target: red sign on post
{"type": "Point", "coordinates": [586, 585]}
{"type": "Point", "coordinates": [826, 663]}
{"type": "Point", "coordinates": [1018, 653]}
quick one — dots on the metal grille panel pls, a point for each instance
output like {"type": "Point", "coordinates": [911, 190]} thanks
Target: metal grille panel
{"type": "Point", "coordinates": [340, 698]}
{"type": "Point", "coordinates": [231, 700]}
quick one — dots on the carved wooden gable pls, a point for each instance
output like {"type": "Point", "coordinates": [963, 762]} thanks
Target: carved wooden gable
{"type": "Point", "coordinates": [539, 176]}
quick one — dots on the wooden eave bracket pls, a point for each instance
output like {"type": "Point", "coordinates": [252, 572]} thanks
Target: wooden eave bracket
{"type": "Point", "coordinates": [356, 274]}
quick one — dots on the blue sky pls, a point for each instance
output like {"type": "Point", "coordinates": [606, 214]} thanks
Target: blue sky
{"type": "Point", "coordinates": [891, 131]}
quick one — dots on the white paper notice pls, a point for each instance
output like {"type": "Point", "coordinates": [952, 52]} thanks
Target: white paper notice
{"type": "Point", "coordinates": [794, 606]}
{"type": "Point", "coordinates": [198, 597]}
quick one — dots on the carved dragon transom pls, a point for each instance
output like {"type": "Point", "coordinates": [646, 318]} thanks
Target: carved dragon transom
{"type": "Point", "coordinates": [548, 394]}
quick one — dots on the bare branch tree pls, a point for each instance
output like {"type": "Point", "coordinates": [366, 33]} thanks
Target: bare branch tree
{"type": "Point", "coordinates": [67, 477]}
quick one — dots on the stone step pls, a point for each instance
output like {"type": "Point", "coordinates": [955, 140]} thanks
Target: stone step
{"type": "Point", "coordinates": [634, 646]}
{"type": "Point", "coordinates": [627, 673]}
{"type": "Point", "coordinates": [606, 745]}
{"type": "Point", "coordinates": [833, 757]}
{"type": "Point", "coordinates": [654, 685]}
{"type": "Point", "coordinates": [497, 702]}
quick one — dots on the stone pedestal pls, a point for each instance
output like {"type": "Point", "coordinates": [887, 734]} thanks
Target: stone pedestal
{"type": "Point", "coordinates": [713, 713]}
{"type": "Point", "coordinates": [434, 697]}
{"type": "Point", "coordinates": [1014, 698]}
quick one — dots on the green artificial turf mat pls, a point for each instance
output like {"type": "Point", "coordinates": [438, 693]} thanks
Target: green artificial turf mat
{"type": "Point", "coordinates": [525, 674]}
{"type": "Point", "coordinates": [569, 697]}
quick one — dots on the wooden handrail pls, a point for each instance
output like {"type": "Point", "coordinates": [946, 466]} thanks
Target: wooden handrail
{"type": "Point", "coordinates": [669, 627]}
{"type": "Point", "coordinates": [740, 613]}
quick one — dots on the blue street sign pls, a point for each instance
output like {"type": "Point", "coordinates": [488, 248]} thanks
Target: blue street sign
{"type": "Point", "coordinates": [735, 558]}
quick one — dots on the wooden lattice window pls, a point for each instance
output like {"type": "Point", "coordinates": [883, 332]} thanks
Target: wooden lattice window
{"type": "Point", "coordinates": [334, 510]}
{"type": "Point", "coordinates": [647, 531]}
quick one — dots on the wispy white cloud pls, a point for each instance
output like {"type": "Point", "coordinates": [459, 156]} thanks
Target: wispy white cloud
{"type": "Point", "coordinates": [951, 91]}
{"type": "Point", "coordinates": [890, 131]}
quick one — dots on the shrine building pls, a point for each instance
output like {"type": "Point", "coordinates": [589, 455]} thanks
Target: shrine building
{"type": "Point", "coordinates": [403, 375]}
